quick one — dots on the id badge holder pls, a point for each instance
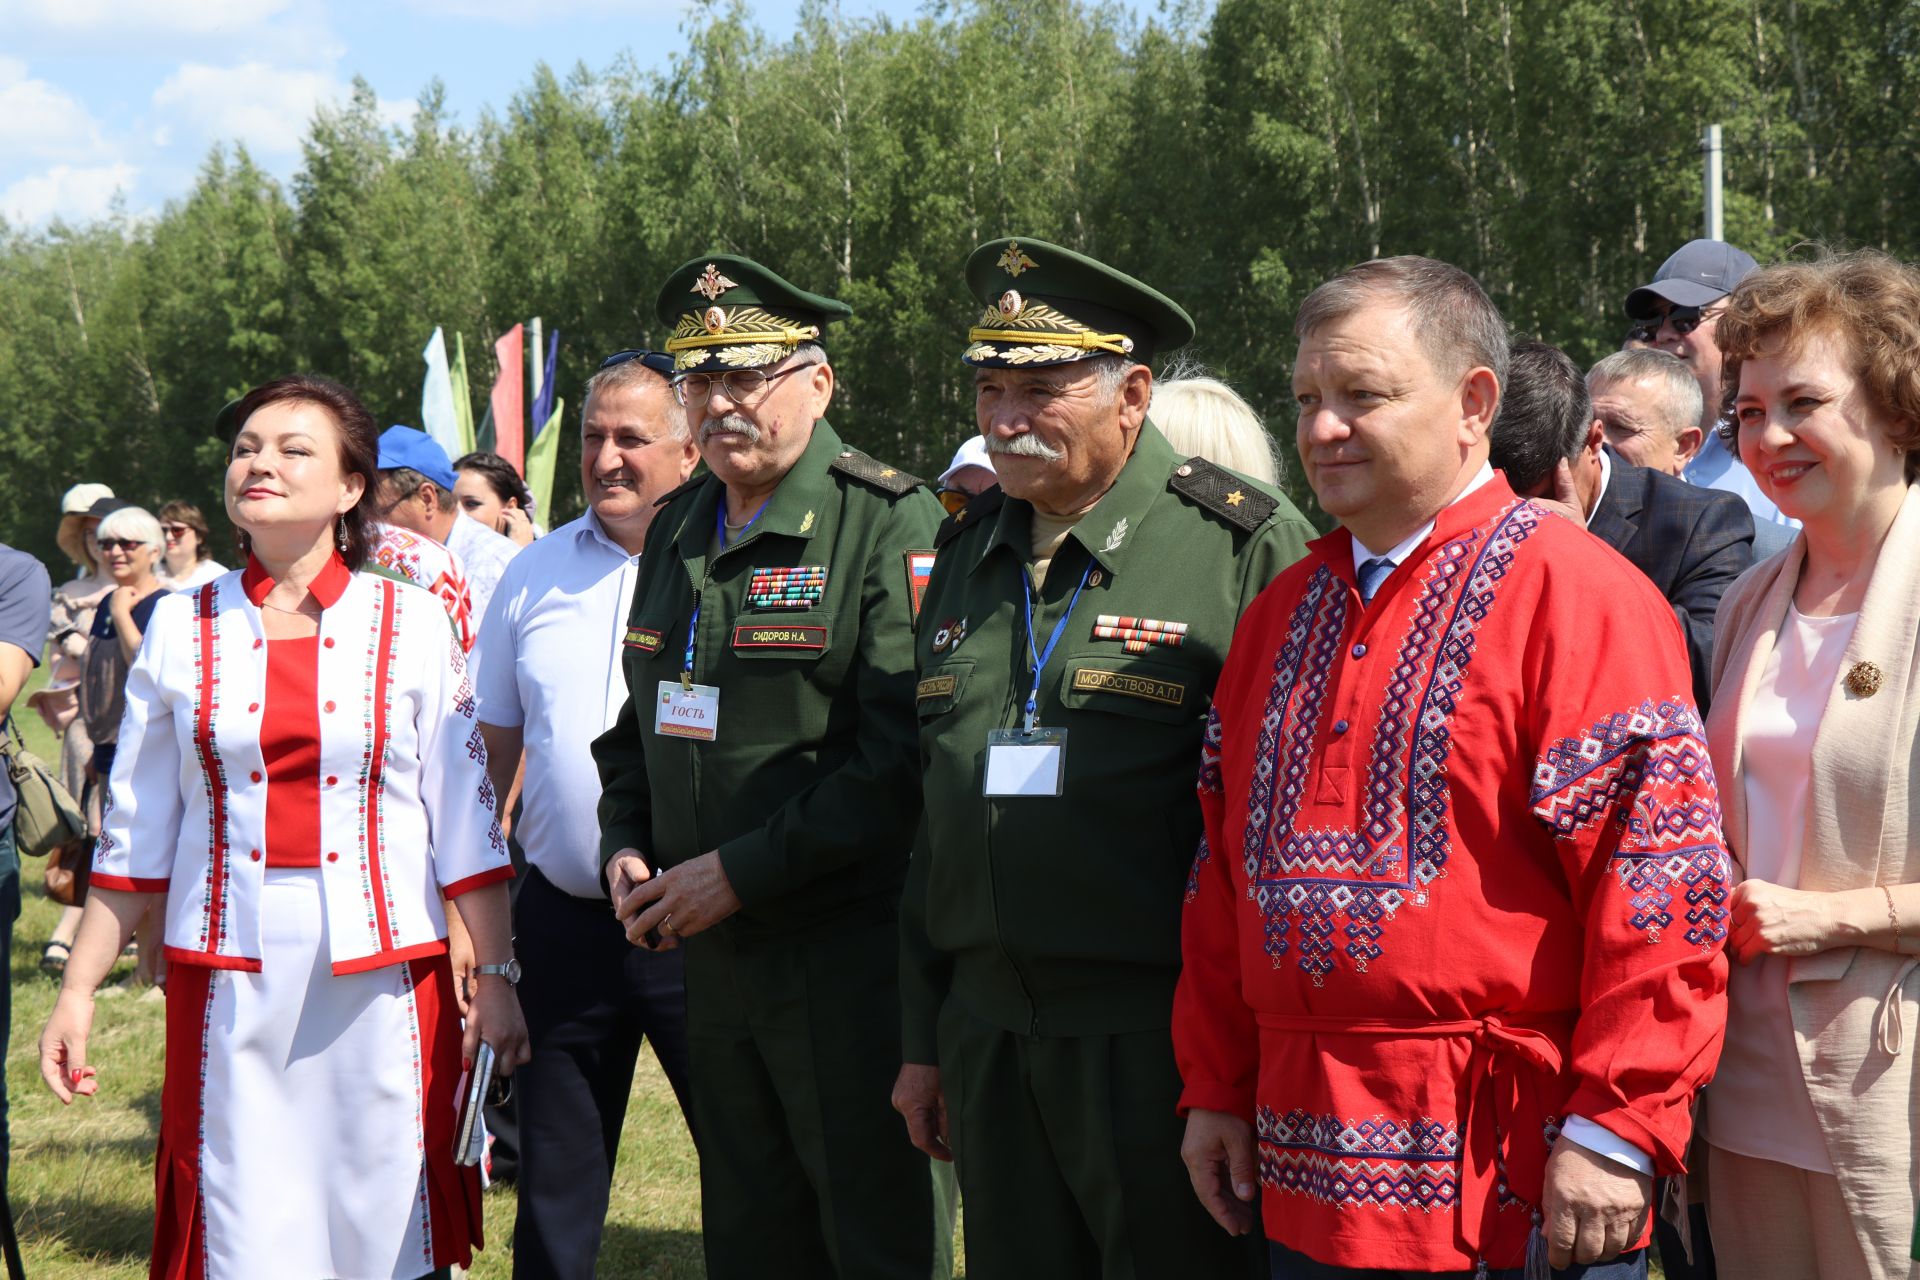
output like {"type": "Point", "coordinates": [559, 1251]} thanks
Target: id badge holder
{"type": "Point", "coordinates": [1026, 762]}
{"type": "Point", "coordinates": [687, 711]}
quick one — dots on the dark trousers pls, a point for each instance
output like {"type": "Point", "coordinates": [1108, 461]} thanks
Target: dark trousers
{"type": "Point", "coordinates": [1069, 1156]}
{"type": "Point", "coordinates": [806, 1172]}
{"type": "Point", "coordinates": [590, 997]}
{"type": "Point", "coordinates": [1288, 1265]}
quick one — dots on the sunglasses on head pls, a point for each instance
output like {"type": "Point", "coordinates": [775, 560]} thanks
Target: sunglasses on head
{"type": "Point", "coordinates": [119, 544]}
{"type": "Point", "coordinates": [659, 362]}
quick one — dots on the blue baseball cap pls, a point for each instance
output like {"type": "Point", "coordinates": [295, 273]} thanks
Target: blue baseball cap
{"type": "Point", "coordinates": [414, 449]}
{"type": "Point", "coordinates": [1698, 272]}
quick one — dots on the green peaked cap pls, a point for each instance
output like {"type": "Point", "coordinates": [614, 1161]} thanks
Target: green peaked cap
{"type": "Point", "coordinates": [1049, 305]}
{"type": "Point", "coordinates": [728, 312]}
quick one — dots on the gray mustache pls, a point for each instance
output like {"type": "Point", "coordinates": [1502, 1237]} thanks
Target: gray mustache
{"type": "Point", "coordinates": [1025, 445]}
{"type": "Point", "coordinates": [732, 422]}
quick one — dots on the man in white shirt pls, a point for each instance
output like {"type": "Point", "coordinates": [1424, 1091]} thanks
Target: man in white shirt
{"type": "Point", "coordinates": [549, 681]}
{"type": "Point", "coordinates": [416, 483]}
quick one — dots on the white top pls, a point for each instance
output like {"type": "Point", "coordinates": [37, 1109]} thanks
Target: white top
{"type": "Point", "coordinates": [1578, 1129]}
{"type": "Point", "coordinates": [203, 572]}
{"type": "Point", "coordinates": [484, 555]}
{"type": "Point", "coordinates": [406, 809]}
{"type": "Point", "coordinates": [1759, 1104]}
{"type": "Point", "coordinates": [549, 661]}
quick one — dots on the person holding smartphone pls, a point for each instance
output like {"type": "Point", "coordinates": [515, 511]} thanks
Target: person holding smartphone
{"type": "Point", "coordinates": [300, 774]}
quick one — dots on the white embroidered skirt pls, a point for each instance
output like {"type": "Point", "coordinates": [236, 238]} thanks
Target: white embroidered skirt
{"type": "Point", "coordinates": [307, 1120]}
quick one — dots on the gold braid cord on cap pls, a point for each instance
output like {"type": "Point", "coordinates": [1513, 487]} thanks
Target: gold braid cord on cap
{"type": "Point", "coordinates": [743, 335]}
{"type": "Point", "coordinates": [1031, 331]}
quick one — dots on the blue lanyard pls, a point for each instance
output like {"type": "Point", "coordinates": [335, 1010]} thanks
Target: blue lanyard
{"type": "Point", "coordinates": [720, 534]}
{"type": "Point", "coordinates": [1040, 656]}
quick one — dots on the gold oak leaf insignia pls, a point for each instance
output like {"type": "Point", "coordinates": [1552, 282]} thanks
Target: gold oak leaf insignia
{"type": "Point", "coordinates": [1013, 261]}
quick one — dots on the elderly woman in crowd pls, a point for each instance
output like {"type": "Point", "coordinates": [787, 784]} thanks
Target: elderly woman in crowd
{"type": "Point", "coordinates": [1816, 704]}
{"type": "Point", "coordinates": [299, 772]}
{"type": "Point", "coordinates": [189, 561]}
{"type": "Point", "coordinates": [131, 545]}
{"type": "Point", "coordinates": [489, 490]}
{"type": "Point", "coordinates": [1203, 417]}
{"type": "Point", "coordinates": [59, 702]}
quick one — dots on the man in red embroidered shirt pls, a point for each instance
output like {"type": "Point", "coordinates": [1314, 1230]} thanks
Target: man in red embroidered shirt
{"type": "Point", "coordinates": [1452, 944]}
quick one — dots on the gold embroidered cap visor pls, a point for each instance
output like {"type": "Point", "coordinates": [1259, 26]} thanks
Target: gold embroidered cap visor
{"type": "Point", "coordinates": [1049, 305]}
{"type": "Point", "coordinates": [728, 312]}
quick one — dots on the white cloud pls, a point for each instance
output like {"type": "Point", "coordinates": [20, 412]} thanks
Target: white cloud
{"type": "Point", "coordinates": [523, 13]}
{"type": "Point", "coordinates": [39, 119]}
{"type": "Point", "coordinates": [266, 107]}
{"type": "Point", "coordinates": [77, 195]}
{"type": "Point", "coordinates": [192, 17]}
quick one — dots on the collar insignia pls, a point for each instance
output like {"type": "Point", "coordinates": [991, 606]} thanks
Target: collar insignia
{"type": "Point", "coordinates": [1118, 536]}
{"type": "Point", "coordinates": [806, 526]}
{"type": "Point", "coordinates": [1013, 261]}
{"type": "Point", "coordinates": [712, 284]}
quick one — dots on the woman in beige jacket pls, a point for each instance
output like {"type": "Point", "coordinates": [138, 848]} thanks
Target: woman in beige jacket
{"type": "Point", "coordinates": [1816, 702]}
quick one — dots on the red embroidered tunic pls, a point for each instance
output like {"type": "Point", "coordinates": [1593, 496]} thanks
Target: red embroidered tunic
{"type": "Point", "coordinates": [290, 744]}
{"type": "Point", "coordinates": [1462, 877]}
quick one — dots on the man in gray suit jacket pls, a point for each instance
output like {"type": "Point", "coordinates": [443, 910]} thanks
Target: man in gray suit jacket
{"type": "Point", "coordinates": [1691, 542]}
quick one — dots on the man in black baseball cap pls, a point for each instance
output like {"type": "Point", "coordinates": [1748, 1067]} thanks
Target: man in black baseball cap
{"type": "Point", "coordinates": [1675, 312]}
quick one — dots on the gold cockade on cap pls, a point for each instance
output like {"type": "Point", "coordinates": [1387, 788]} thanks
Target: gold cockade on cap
{"type": "Point", "coordinates": [712, 284]}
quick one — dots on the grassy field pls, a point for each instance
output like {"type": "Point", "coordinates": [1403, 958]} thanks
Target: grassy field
{"type": "Point", "coordinates": [82, 1176]}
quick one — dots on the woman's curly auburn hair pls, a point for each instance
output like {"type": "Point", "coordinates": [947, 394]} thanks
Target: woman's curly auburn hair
{"type": "Point", "coordinates": [1869, 300]}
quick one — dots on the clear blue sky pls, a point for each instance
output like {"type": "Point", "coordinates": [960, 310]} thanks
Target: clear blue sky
{"type": "Point", "coordinates": [100, 98]}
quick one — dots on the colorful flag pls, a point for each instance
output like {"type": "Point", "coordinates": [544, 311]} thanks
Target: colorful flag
{"type": "Point", "coordinates": [437, 413]}
{"type": "Point", "coordinates": [510, 398]}
{"type": "Point", "coordinates": [543, 398]}
{"type": "Point", "coordinates": [540, 462]}
{"type": "Point", "coordinates": [462, 396]}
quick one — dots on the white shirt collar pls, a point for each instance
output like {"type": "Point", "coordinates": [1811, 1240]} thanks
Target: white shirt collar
{"type": "Point", "coordinates": [1606, 478]}
{"type": "Point", "coordinates": [1407, 545]}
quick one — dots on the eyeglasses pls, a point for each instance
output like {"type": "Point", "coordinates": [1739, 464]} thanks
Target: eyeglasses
{"type": "Point", "coordinates": [741, 385]}
{"type": "Point", "coordinates": [118, 544]}
{"type": "Point", "coordinates": [953, 500]}
{"type": "Point", "coordinates": [1683, 319]}
{"type": "Point", "coordinates": [176, 530]}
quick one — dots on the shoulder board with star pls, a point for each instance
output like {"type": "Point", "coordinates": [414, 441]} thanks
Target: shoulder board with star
{"type": "Point", "coordinates": [1232, 497]}
{"type": "Point", "coordinates": [892, 480]}
{"type": "Point", "coordinates": [693, 482]}
{"type": "Point", "coordinates": [978, 508]}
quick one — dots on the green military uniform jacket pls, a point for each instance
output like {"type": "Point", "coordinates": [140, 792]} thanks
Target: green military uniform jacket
{"type": "Point", "coordinates": [1061, 915]}
{"type": "Point", "coordinates": [810, 791]}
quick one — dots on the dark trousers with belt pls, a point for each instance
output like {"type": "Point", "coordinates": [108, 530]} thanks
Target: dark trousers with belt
{"type": "Point", "coordinates": [806, 1171]}
{"type": "Point", "coordinates": [1069, 1156]}
{"type": "Point", "coordinates": [590, 997]}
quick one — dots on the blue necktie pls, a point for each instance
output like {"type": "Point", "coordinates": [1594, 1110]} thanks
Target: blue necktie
{"type": "Point", "coordinates": [1372, 573]}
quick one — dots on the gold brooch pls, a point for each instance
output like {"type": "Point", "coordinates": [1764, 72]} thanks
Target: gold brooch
{"type": "Point", "coordinates": [1013, 261]}
{"type": "Point", "coordinates": [712, 284]}
{"type": "Point", "coordinates": [1864, 680]}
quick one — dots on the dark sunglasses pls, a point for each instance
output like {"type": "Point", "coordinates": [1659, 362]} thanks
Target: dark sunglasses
{"type": "Point", "coordinates": [119, 544]}
{"type": "Point", "coordinates": [1683, 319]}
{"type": "Point", "coordinates": [176, 530]}
{"type": "Point", "coordinates": [658, 361]}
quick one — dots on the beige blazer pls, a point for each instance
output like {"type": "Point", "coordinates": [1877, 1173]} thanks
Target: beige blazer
{"type": "Point", "coordinates": [1853, 1008]}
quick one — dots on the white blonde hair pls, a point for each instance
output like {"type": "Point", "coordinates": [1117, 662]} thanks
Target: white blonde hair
{"type": "Point", "coordinates": [136, 523]}
{"type": "Point", "coordinates": [1204, 417]}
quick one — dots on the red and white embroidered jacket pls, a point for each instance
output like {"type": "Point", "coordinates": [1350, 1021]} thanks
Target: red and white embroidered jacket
{"type": "Point", "coordinates": [1462, 878]}
{"type": "Point", "coordinates": [406, 808]}
{"type": "Point", "coordinates": [432, 565]}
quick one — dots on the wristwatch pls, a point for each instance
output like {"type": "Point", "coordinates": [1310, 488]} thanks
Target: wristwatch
{"type": "Point", "coordinates": [510, 971]}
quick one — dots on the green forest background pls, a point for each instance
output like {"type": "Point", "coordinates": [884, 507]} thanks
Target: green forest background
{"type": "Point", "coordinates": [1232, 154]}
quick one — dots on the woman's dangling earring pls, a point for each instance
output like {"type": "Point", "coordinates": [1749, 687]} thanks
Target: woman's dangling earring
{"type": "Point", "coordinates": [340, 534]}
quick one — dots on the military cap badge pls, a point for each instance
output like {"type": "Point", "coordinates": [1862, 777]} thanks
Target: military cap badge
{"type": "Point", "coordinates": [1069, 307]}
{"type": "Point", "coordinates": [763, 319]}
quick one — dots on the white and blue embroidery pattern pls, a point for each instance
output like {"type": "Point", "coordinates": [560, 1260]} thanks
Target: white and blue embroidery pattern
{"type": "Point", "coordinates": [1655, 756]}
{"type": "Point", "coordinates": [1386, 1164]}
{"type": "Point", "coordinates": [1348, 884]}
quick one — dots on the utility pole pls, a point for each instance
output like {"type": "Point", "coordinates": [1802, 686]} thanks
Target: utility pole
{"type": "Point", "coordinates": [1710, 144]}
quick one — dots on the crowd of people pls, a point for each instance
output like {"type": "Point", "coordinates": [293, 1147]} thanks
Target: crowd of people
{"type": "Point", "coordinates": [1522, 872]}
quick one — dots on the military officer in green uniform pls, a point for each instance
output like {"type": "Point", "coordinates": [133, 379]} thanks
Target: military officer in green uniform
{"type": "Point", "coordinates": [762, 786]}
{"type": "Point", "coordinates": [1068, 645]}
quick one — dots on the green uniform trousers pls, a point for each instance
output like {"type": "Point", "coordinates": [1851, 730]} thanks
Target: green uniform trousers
{"type": "Point", "coordinates": [1069, 1156]}
{"type": "Point", "coordinates": [805, 1168]}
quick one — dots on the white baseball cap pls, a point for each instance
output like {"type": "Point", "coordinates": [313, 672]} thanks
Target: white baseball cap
{"type": "Point", "coordinates": [971, 454]}
{"type": "Point", "coordinates": [77, 500]}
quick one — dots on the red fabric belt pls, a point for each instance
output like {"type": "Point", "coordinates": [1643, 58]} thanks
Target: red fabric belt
{"type": "Point", "coordinates": [1498, 1074]}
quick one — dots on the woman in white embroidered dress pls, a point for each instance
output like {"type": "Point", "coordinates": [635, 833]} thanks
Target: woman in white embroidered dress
{"type": "Point", "coordinates": [300, 774]}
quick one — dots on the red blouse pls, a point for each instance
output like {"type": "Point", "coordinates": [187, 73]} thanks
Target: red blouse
{"type": "Point", "coordinates": [290, 742]}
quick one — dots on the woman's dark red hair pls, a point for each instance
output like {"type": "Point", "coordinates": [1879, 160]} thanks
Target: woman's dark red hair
{"type": "Point", "coordinates": [359, 442]}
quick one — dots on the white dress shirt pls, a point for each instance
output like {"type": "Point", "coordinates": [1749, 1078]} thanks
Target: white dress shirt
{"type": "Point", "coordinates": [484, 554]}
{"type": "Point", "coordinates": [549, 663]}
{"type": "Point", "coordinates": [1578, 1129]}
